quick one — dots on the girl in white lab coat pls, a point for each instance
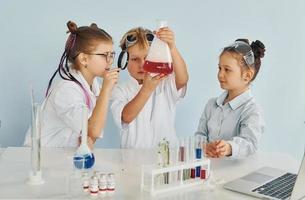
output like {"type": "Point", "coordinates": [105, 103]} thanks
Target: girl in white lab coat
{"type": "Point", "coordinates": [144, 107]}
{"type": "Point", "coordinates": [88, 54]}
{"type": "Point", "coordinates": [233, 123]}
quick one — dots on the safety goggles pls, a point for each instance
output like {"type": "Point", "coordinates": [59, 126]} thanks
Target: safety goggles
{"type": "Point", "coordinates": [245, 50]}
{"type": "Point", "coordinates": [132, 38]}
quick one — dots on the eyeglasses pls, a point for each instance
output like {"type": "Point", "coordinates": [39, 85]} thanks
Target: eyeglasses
{"type": "Point", "coordinates": [108, 55]}
{"type": "Point", "coordinates": [132, 37]}
{"type": "Point", "coordinates": [246, 51]}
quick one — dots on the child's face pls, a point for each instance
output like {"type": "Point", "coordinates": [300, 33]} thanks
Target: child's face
{"type": "Point", "coordinates": [136, 61]}
{"type": "Point", "coordinates": [97, 64]}
{"type": "Point", "coordinates": [230, 75]}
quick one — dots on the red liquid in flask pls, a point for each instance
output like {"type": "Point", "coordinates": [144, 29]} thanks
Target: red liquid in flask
{"type": "Point", "coordinates": [158, 67]}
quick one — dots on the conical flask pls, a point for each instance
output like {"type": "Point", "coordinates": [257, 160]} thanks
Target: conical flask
{"type": "Point", "coordinates": [159, 59]}
{"type": "Point", "coordinates": [84, 158]}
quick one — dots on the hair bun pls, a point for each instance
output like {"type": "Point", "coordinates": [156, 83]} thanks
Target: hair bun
{"type": "Point", "coordinates": [93, 25]}
{"type": "Point", "coordinates": [258, 49]}
{"type": "Point", "coordinates": [72, 27]}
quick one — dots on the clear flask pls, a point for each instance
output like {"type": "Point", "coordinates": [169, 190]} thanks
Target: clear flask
{"type": "Point", "coordinates": [84, 158]}
{"type": "Point", "coordinates": [159, 59]}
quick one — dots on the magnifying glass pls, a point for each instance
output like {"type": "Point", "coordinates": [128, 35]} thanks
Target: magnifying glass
{"type": "Point", "coordinates": [123, 60]}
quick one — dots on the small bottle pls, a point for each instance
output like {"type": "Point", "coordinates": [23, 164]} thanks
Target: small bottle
{"type": "Point", "coordinates": [94, 186]}
{"type": "Point", "coordinates": [110, 183]}
{"type": "Point", "coordinates": [102, 184]}
{"type": "Point", "coordinates": [85, 179]}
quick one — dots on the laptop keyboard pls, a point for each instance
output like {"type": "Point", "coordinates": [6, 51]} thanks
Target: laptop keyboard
{"type": "Point", "coordinates": [280, 187]}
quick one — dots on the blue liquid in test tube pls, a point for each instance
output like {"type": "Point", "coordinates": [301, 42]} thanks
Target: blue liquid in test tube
{"type": "Point", "coordinates": [198, 156]}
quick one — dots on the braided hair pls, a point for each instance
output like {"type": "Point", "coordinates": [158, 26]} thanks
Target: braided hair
{"type": "Point", "coordinates": [82, 39]}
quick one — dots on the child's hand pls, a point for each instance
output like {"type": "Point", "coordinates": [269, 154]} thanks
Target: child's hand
{"type": "Point", "coordinates": [223, 148]}
{"type": "Point", "coordinates": [150, 83]}
{"type": "Point", "coordinates": [110, 78]}
{"type": "Point", "coordinates": [210, 150]}
{"type": "Point", "coordinates": [167, 35]}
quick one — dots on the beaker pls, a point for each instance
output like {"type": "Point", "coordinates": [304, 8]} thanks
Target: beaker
{"type": "Point", "coordinates": [159, 59]}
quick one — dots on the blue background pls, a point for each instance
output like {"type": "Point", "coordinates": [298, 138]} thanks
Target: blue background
{"type": "Point", "coordinates": [33, 35]}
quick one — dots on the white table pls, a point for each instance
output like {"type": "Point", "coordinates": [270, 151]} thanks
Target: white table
{"type": "Point", "coordinates": [126, 164]}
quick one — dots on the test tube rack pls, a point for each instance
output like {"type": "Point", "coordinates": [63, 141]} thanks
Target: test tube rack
{"type": "Point", "coordinates": [150, 173]}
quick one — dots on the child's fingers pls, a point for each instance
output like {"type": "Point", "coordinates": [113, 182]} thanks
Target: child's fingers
{"type": "Point", "coordinates": [222, 149]}
{"type": "Point", "coordinates": [160, 77]}
{"type": "Point", "coordinates": [111, 75]}
{"type": "Point", "coordinates": [220, 144]}
{"type": "Point", "coordinates": [164, 30]}
{"type": "Point", "coordinates": [166, 36]}
{"type": "Point", "coordinates": [163, 77]}
{"type": "Point", "coordinates": [209, 154]}
{"type": "Point", "coordinates": [147, 76]}
{"type": "Point", "coordinates": [210, 149]}
{"type": "Point", "coordinates": [114, 69]}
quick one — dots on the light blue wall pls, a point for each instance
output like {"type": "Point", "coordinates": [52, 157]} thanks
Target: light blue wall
{"type": "Point", "coordinates": [32, 37]}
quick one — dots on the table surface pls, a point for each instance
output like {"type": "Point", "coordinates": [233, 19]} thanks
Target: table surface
{"type": "Point", "coordinates": [57, 168]}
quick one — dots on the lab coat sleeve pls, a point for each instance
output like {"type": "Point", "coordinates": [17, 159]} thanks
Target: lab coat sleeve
{"type": "Point", "coordinates": [202, 126]}
{"type": "Point", "coordinates": [174, 95]}
{"type": "Point", "coordinates": [251, 129]}
{"type": "Point", "coordinates": [118, 101]}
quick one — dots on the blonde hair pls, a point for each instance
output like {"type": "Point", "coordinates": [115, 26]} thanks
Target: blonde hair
{"type": "Point", "coordinates": [140, 34]}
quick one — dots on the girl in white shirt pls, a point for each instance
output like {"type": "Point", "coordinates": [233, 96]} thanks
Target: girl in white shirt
{"type": "Point", "coordinates": [144, 107]}
{"type": "Point", "coordinates": [88, 54]}
{"type": "Point", "coordinates": [233, 123]}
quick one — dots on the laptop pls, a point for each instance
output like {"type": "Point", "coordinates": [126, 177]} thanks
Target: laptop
{"type": "Point", "coordinates": [271, 183]}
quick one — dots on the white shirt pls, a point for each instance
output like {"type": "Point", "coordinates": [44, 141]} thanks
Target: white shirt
{"type": "Point", "coordinates": [155, 121]}
{"type": "Point", "coordinates": [240, 122]}
{"type": "Point", "coordinates": [61, 116]}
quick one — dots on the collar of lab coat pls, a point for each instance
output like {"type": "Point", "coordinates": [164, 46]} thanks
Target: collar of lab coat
{"type": "Point", "coordinates": [95, 85]}
{"type": "Point", "coordinates": [237, 101]}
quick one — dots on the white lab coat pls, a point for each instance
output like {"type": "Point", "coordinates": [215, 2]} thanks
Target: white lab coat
{"type": "Point", "coordinates": [61, 116]}
{"type": "Point", "coordinates": [155, 121]}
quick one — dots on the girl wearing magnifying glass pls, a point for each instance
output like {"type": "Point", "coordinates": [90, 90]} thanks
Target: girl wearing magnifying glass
{"type": "Point", "coordinates": [233, 123]}
{"type": "Point", "coordinates": [144, 107]}
{"type": "Point", "coordinates": [88, 54]}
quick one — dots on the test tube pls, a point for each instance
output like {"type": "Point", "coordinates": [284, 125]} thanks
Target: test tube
{"type": "Point", "coordinates": [174, 159]}
{"type": "Point", "coordinates": [167, 155]}
{"type": "Point", "coordinates": [181, 150]}
{"type": "Point", "coordinates": [36, 148]}
{"type": "Point", "coordinates": [181, 155]}
{"type": "Point", "coordinates": [192, 155]}
{"type": "Point", "coordinates": [198, 152]}
{"type": "Point", "coordinates": [186, 172]}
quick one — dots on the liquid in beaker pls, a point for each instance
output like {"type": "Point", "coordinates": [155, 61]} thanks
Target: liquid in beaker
{"type": "Point", "coordinates": [159, 59]}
